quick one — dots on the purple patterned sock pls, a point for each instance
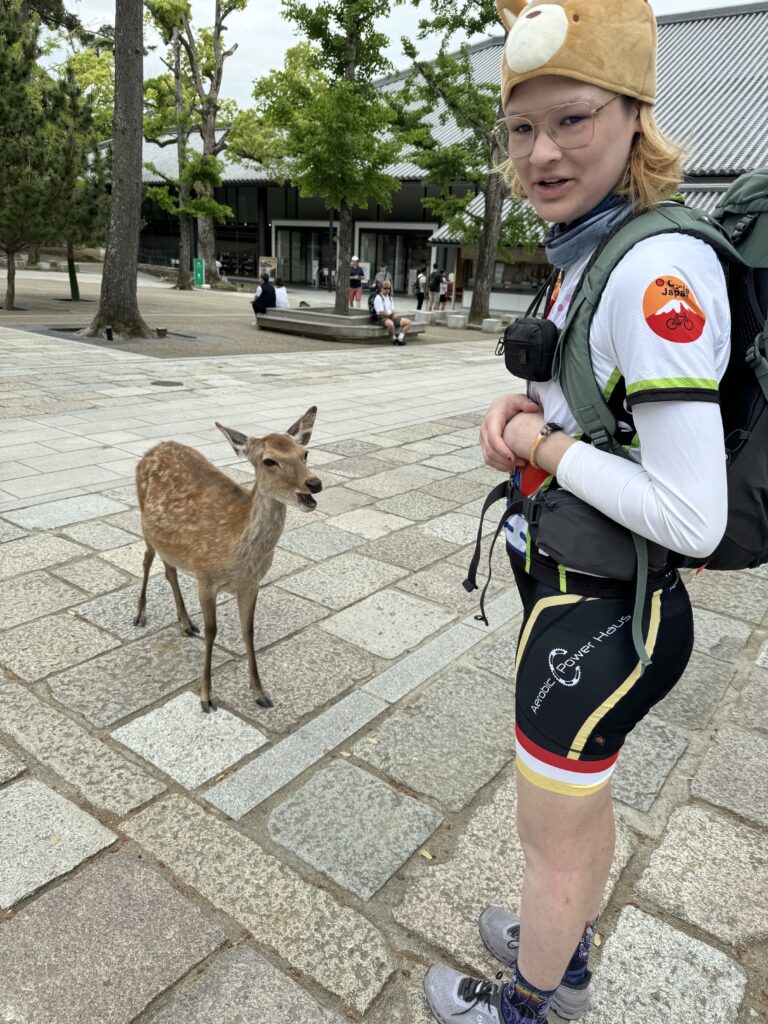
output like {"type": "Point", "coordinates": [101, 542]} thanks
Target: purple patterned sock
{"type": "Point", "coordinates": [578, 969]}
{"type": "Point", "coordinates": [523, 1003]}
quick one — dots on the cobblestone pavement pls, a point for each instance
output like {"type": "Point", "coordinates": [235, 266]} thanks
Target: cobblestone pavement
{"type": "Point", "coordinates": [306, 863]}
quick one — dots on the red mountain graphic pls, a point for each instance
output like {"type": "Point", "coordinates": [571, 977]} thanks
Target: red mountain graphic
{"type": "Point", "coordinates": [677, 321]}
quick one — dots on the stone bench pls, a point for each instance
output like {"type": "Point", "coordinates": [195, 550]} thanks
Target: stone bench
{"type": "Point", "coordinates": [458, 320]}
{"type": "Point", "coordinates": [326, 325]}
{"type": "Point", "coordinates": [492, 325]}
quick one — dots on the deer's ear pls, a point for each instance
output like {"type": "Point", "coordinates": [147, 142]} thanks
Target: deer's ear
{"type": "Point", "coordinates": [509, 11]}
{"type": "Point", "coordinates": [235, 438]}
{"type": "Point", "coordinates": [301, 430]}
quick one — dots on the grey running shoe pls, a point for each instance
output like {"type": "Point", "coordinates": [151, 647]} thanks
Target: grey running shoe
{"type": "Point", "coordinates": [500, 932]}
{"type": "Point", "coordinates": [456, 999]}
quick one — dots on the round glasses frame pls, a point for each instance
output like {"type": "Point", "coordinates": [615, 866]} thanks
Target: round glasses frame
{"type": "Point", "coordinates": [518, 145]}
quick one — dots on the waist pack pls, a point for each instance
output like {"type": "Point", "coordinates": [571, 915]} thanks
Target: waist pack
{"type": "Point", "coordinates": [738, 232]}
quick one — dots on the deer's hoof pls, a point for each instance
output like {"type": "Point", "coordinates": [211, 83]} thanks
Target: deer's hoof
{"type": "Point", "coordinates": [192, 630]}
{"type": "Point", "coordinates": [208, 706]}
{"type": "Point", "coordinates": [264, 702]}
{"type": "Point", "coordinates": [140, 620]}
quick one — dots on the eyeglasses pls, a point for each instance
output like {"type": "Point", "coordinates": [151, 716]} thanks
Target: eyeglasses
{"type": "Point", "coordinates": [570, 126]}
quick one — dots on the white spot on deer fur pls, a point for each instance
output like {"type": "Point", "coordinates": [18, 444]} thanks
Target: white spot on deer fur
{"type": "Point", "coordinates": [536, 37]}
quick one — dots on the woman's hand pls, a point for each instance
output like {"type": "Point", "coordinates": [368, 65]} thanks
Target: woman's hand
{"type": "Point", "coordinates": [496, 452]}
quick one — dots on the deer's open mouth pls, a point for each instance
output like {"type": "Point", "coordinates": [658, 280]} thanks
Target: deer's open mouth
{"type": "Point", "coordinates": [306, 500]}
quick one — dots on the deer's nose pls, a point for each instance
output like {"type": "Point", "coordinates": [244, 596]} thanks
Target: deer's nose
{"type": "Point", "coordinates": [313, 485]}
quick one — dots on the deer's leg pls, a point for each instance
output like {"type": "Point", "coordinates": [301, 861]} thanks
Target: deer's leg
{"type": "Point", "coordinates": [208, 605]}
{"type": "Point", "coordinates": [187, 626]}
{"type": "Point", "coordinates": [246, 605]}
{"type": "Point", "coordinates": [149, 557]}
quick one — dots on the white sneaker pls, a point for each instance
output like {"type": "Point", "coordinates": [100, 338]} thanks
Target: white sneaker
{"type": "Point", "coordinates": [401, 338]}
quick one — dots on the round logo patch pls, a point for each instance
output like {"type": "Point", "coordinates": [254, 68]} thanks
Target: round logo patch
{"type": "Point", "coordinates": [671, 310]}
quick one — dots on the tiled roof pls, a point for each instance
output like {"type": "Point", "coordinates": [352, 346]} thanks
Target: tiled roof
{"type": "Point", "coordinates": [164, 159]}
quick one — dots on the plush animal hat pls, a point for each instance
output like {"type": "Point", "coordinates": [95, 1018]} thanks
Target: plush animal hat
{"type": "Point", "coordinates": [610, 43]}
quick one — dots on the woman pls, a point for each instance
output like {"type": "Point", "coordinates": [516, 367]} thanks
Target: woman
{"type": "Point", "coordinates": [578, 86]}
{"type": "Point", "coordinates": [281, 294]}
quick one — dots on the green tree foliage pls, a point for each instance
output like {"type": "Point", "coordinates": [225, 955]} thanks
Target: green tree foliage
{"type": "Point", "coordinates": [321, 121]}
{"type": "Point", "coordinates": [448, 82]}
{"type": "Point", "coordinates": [196, 65]}
{"type": "Point", "coordinates": [94, 71]}
{"type": "Point", "coordinates": [47, 193]}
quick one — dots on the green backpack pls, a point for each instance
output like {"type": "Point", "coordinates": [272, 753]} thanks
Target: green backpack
{"type": "Point", "coordinates": [738, 232]}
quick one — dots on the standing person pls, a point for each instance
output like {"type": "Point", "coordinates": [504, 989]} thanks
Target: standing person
{"type": "Point", "coordinates": [421, 286]}
{"type": "Point", "coordinates": [356, 274]}
{"type": "Point", "coordinates": [265, 297]}
{"type": "Point", "coordinates": [385, 310]}
{"type": "Point", "coordinates": [382, 275]}
{"type": "Point", "coordinates": [281, 294]}
{"type": "Point", "coordinates": [434, 288]}
{"type": "Point", "coordinates": [443, 297]}
{"type": "Point", "coordinates": [584, 148]}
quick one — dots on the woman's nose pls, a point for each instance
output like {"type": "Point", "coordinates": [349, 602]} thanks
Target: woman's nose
{"type": "Point", "coordinates": [545, 149]}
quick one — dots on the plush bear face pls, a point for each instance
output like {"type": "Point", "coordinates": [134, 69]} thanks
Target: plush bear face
{"type": "Point", "coordinates": [611, 43]}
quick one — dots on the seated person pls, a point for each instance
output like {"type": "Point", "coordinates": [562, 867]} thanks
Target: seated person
{"type": "Point", "coordinates": [385, 311]}
{"type": "Point", "coordinates": [281, 294]}
{"type": "Point", "coordinates": [265, 297]}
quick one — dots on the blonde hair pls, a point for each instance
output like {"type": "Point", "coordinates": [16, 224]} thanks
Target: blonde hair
{"type": "Point", "coordinates": [653, 172]}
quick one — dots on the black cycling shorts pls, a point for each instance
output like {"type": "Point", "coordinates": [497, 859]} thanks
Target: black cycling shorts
{"type": "Point", "coordinates": [579, 685]}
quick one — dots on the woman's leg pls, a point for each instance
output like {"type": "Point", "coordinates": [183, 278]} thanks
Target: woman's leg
{"type": "Point", "coordinates": [568, 844]}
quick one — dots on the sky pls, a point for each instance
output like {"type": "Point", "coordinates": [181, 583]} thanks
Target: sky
{"type": "Point", "coordinates": [263, 36]}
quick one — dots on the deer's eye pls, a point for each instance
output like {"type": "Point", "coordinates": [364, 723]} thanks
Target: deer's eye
{"type": "Point", "coordinates": [269, 462]}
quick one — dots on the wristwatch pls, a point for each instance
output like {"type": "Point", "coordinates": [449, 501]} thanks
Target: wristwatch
{"type": "Point", "coordinates": [546, 430]}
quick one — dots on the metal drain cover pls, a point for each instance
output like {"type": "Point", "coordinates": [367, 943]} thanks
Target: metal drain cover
{"type": "Point", "coordinates": [167, 383]}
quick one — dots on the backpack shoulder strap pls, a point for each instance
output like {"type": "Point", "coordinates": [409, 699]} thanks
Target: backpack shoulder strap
{"type": "Point", "coordinates": [573, 364]}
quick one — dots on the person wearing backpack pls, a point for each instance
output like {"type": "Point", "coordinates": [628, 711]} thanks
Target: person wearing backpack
{"type": "Point", "coordinates": [607, 624]}
{"type": "Point", "coordinates": [435, 279]}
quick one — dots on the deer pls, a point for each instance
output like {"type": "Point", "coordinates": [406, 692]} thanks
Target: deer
{"type": "Point", "coordinates": [199, 520]}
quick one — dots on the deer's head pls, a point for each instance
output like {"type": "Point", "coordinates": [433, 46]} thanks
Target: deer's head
{"type": "Point", "coordinates": [280, 461]}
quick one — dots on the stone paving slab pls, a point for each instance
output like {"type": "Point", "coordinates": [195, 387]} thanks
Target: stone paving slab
{"type": "Point", "coordinates": [352, 826]}
{"type": "Point", "coordinates": [442, 583]}
{"type": "Point", "coordinates": [92, 575]}
{"type": "Point", "coordinates": [99, 535]}
{"type": "Point", "coordinates": [732, 774]}
{"type": "Point", "coordinates": [116, 611]}
{"type": "Point", "coordinates": [743, 595]}
{"type": "Point", "coordinates": [101, 775]}
{"type": "Point", "coordinates": [341, 581]}
{"type": "Point", "coordinates": [29, 597]}
{"type": "Point", "coordinates": [388, 483]}
{"type": "Point", "coordinates": [315, 934]}
{"type": "Point", "coordinates": [9, 532]}
{"type": "Point", "coordinates": [718, 636]}
{"type": "Point", "coordinates": [415, 505]}
{"type": "Point", "coordinates": [430, 743]}
{"type": "Point", "coordinates": [318, 541]}
{"type": "Point", "coordinates": [646, 760]}
{"type": "Point", "coordinates": [692, 701]}
{"type": "Point", "coordinates": [651, 973]}
{"type": "Point", "coordinates": [370, 523]}
{"type": "Point", "coordinates": [278, 614]}
{"type": "Point", "coordinates": [497, 652]}
{"type": "Point", "coordinates": [249, 786]}
{"type": "Point", "coordinates": [446, 897]}
{"type": "Point", "coordinates": [300, 674]}
{"type": "Point", "coordinates": [26, 554]}
{"type": "Point", "coordinates": [364, 464]}
{"type": "Point", "coordinates": [387, 623]}
{"type": "Point", "coordinates": [186, 744]}
{"type": "Point", "coordinates": [457, 490]}
{"type": "Point", "coordinates": [411, 548]}
{"type": "Point", "coordinates": [713, 873]}
{"type": "Point", "coordinates": [340, 499]}
{"type": "Point", "coordinates": [130, 558]}
{"type": "Point", "coordinates": [241, 987]}
{"type": "Point", "coordinates": [102, 946]}
{"type": "Point", "coordinates": [751, 707]}
{"type": "Point", "coordinates": [10, 765]}
{"type": "Point", "coordinates": [42, 836]}
{"type": "Point", "coordinates": [116, 684]}
{"type": "Point", "coordinates": [65, 511]}
{"type": "Point", "coordinates": [456, 528]}
{"type": "Point", "coordinates": [36, 649]}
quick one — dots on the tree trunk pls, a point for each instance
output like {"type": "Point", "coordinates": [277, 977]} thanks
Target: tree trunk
{"type": "Point", "coordinates": [488, 248]}
{"type": "Point", "coordinates": [206, 238]}
{"type": "Point", "coordinates": [184, 276]}
{"type": "Point", "coordinates": [73, 286]}
{"type": "Point", "coordinates": [10, 286]}
{"type": "Point", "coordinates": [344, 249]}
{"type": "Point", "coordinates": [118, 305]}
{"type": "Point", "coordinates": [34, 255]}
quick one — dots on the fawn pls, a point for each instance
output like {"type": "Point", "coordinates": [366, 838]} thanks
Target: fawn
{"type": "Point", "coordinates": [199, 520]}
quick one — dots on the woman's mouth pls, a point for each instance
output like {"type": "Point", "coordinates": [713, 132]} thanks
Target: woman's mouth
{"type": "Point", "coordinates": [552, 187]}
